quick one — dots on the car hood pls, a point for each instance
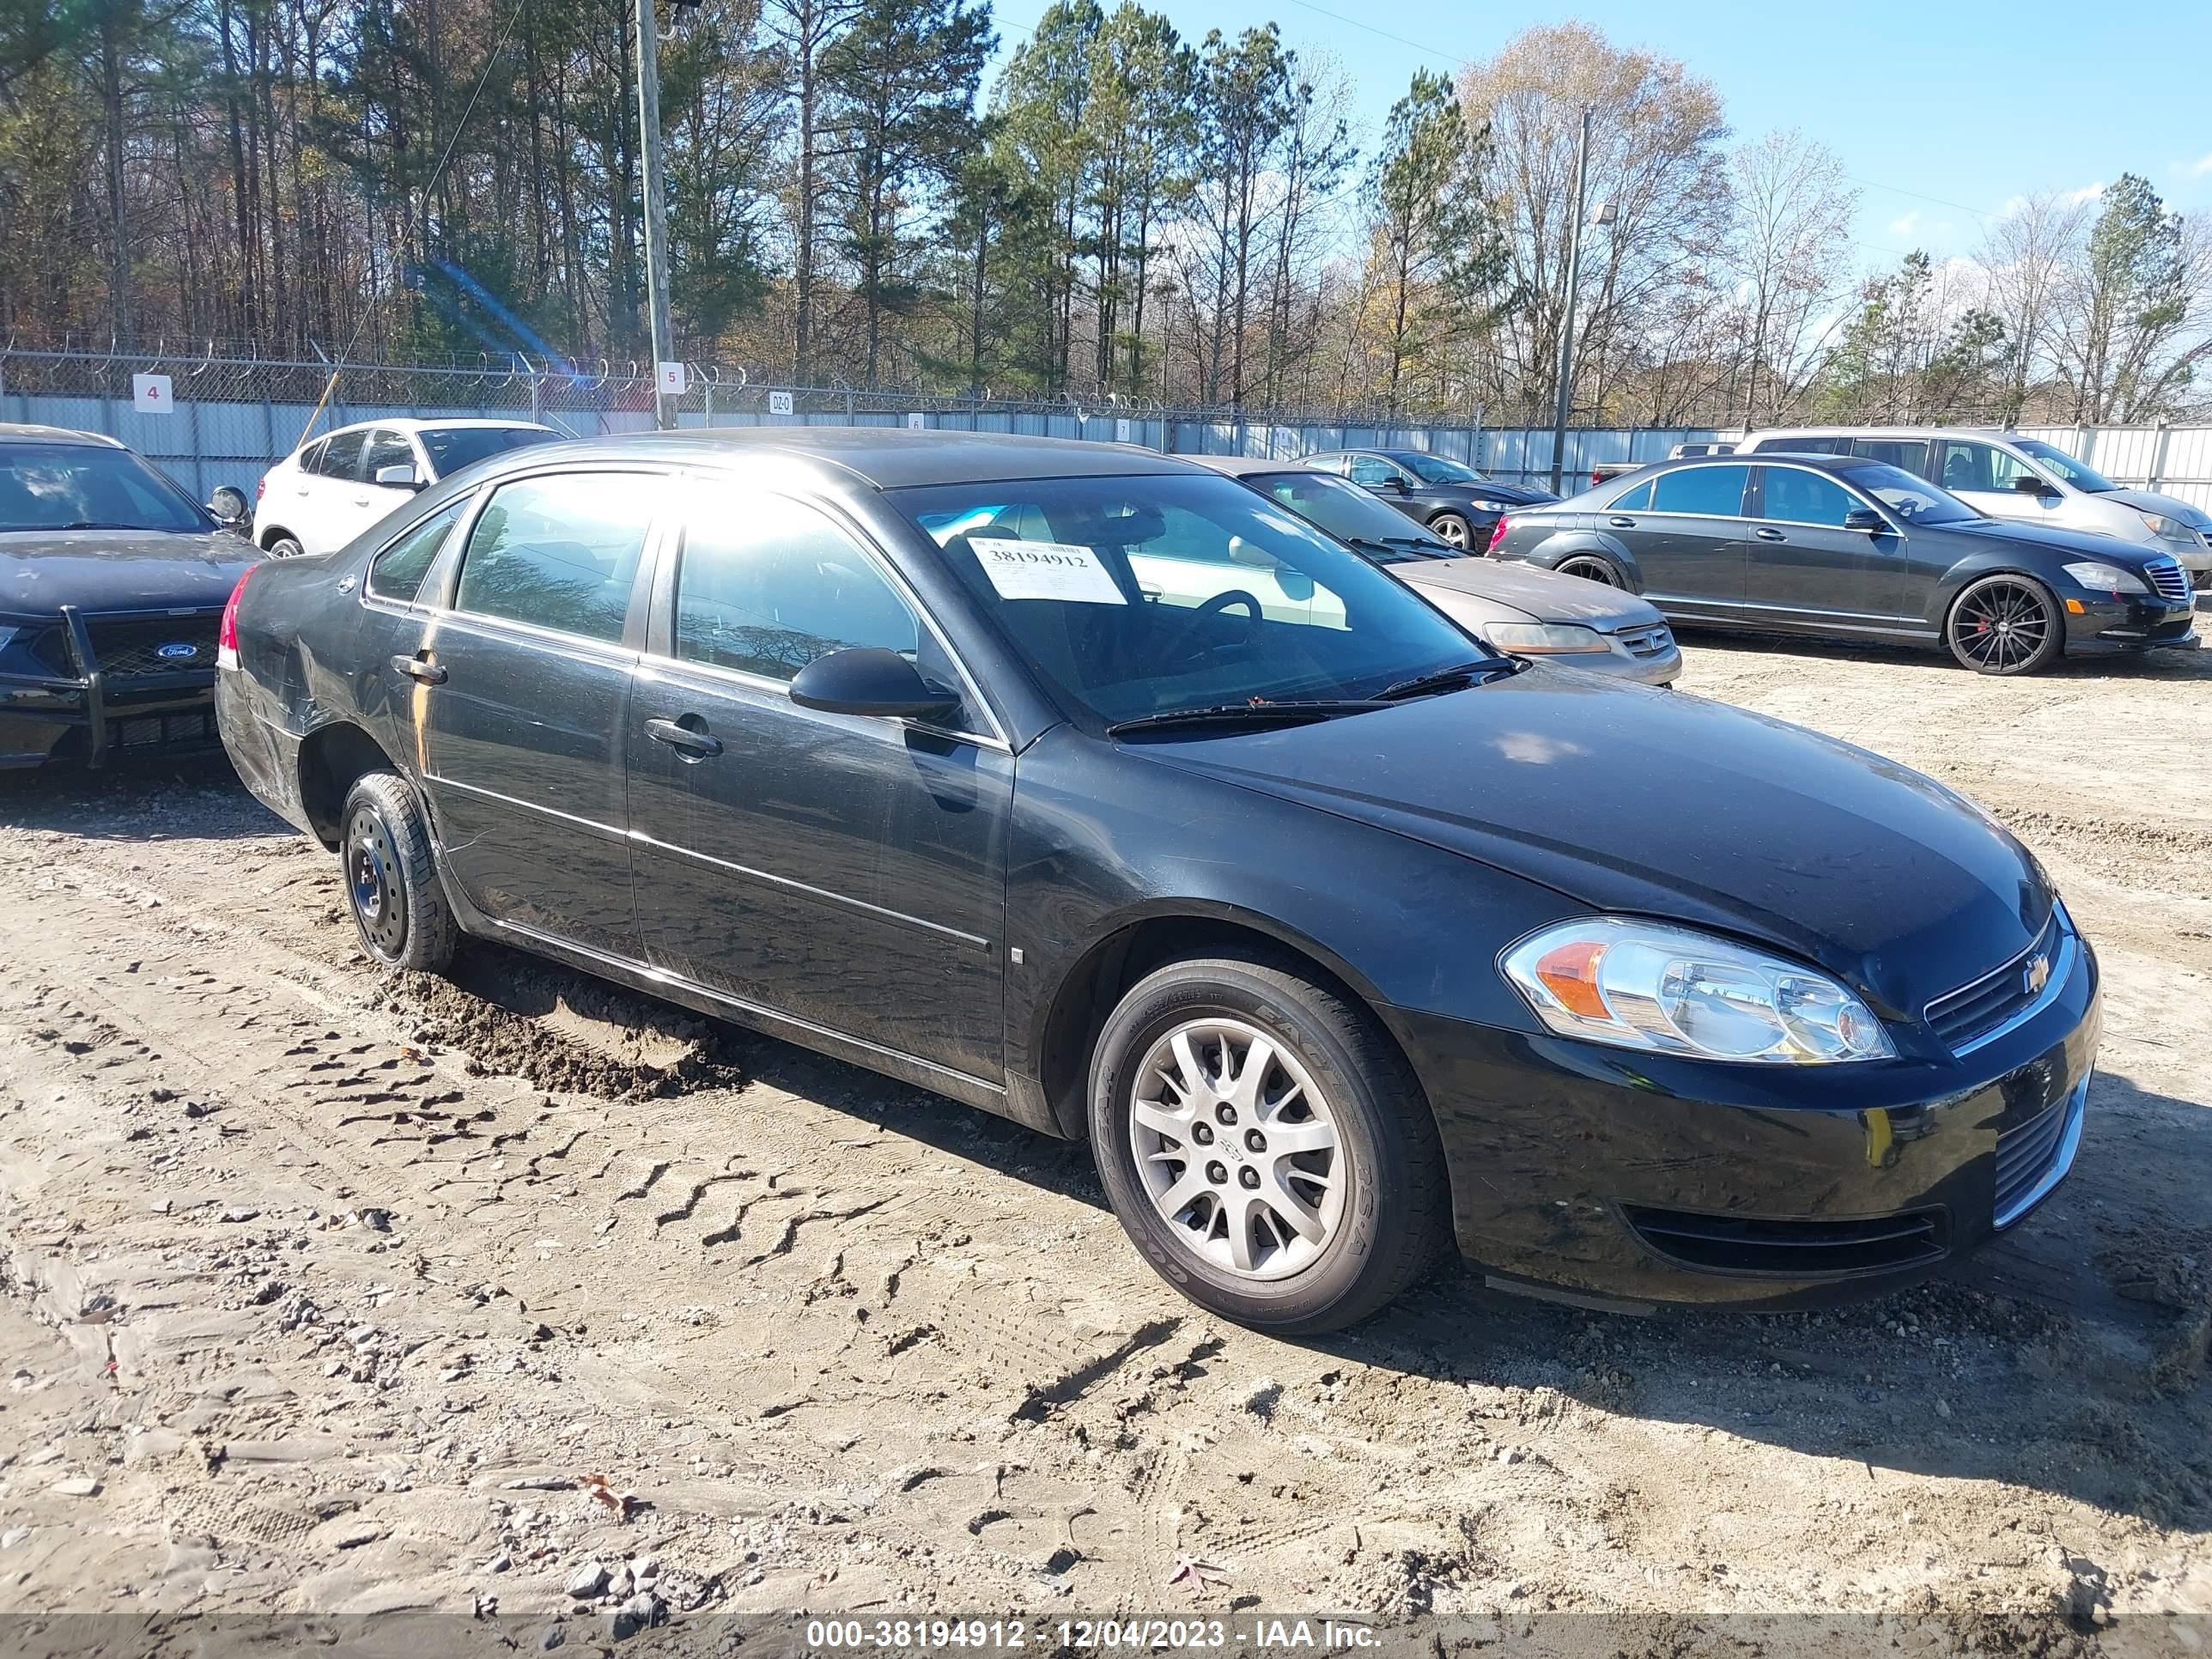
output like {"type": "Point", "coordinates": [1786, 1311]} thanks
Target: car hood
{"type": "Point", "coordinates": [42, 570]}
{"type": "Point", "coordinates": [1636, 801]}
{"type": "Point", "coordinates": [1543, 595]}
{"type": "Point", "coordinates": [2071, 543]}
{"type": "Point", "coordinates": [2151, 502]}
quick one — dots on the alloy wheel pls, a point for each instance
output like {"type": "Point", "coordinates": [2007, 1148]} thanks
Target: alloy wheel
{"type": "Point", "coordinates": [2000, 626]}
{"type": "Point", "coordinates": [1237, 1148]}
{"type": "Point", "coordinates": [1592, 570]}
{"type": "Point", "coordinates": [1451, 530]}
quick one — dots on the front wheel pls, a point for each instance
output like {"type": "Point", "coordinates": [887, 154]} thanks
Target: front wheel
{"type": "Point", "coordinates": [1452, 529]}
{"type": "Point", "coordinates": [1266, 1146]}
{"type": "Point", "coordinates": [399, 908]}
{"type": "Point", "coordinates": [2005, 625]}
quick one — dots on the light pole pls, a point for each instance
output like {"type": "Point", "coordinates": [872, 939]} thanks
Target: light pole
{"type": "Point", "coordinates": [656, 205]}
{"type": "Point", "coordinates": [1566, 370]}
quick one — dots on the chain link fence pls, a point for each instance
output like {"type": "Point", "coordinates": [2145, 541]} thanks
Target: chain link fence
{"type": "Point", "coordinates": [214, 420]}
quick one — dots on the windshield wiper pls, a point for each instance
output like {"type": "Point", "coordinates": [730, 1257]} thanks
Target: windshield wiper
{"type": "Point", "coordinates": [1448, 679]}
{"type": "Point", "coordinates": [1248, 713]}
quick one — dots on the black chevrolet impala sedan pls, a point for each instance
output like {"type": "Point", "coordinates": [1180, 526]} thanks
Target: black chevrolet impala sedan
{"type": "Point", "coordinates": [1090, 787]}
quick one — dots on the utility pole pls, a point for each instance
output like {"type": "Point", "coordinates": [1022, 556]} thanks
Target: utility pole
{"type": "Point", "coordinates": [656, 205]}
{"type": "Point", "coordinates": [1567, 376]}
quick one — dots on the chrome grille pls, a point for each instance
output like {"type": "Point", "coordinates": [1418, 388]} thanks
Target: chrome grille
{"type": "Point", "coordinates": [2167, 576]}
{"type": "Point", "coordinates": [1980, 1006]}
{"type": "Point", "coordinates": [1645, 641]}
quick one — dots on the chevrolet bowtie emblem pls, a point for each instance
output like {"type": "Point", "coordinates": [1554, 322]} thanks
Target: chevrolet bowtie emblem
{"type": "Point", "coordinates": [2037, 976]}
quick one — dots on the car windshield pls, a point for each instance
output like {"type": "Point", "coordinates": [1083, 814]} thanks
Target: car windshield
{"type": "Point", "coordinates": [1434, 469]}
{"type": "Point", "coordinates": [1136, 596]}
{"type": "Point", "coordinates": [452, 448]}
{"type": "Point", "coordinates": [2057, 460]}
{"type": "Point", "coordinates": [88, 487]}
{"type": "Point", "coordinates": [1912, 498]}
{"type": "Point", "coordinates": [1351, 514]}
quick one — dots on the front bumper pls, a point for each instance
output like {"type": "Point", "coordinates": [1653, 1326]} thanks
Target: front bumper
{"type": "Point", "coordinates": [88, 712]}
{"type": "Point", "coordinates": [2105, 624]}
{"type": "Point", "coordinates": [1628, 1179]}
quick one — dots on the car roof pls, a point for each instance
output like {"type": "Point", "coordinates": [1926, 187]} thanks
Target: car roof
{"type": "Point", "coordinates": [1984, 431]}
{"type": "Point", "coordinates": [887, 457]}
{"type": "Point", "coordinates": [28, 432]}
{"type": "Point", "coordinates": [420, 423]}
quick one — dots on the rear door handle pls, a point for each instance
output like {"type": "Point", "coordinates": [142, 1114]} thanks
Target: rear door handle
{"type": "Point", "coordinates": [420, 668]}
{"type": "Point", "coordinates": [1768, 535]}
{"type": "Point", "coordinates": [361, 500]}
{"type": "Point", "coordinates": [699, 745]}
{"type": "Point", "coordinates": [1622, 524]}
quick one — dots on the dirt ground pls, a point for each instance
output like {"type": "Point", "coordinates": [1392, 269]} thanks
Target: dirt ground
{"type": "Point", "coordinates": [325, 1295]}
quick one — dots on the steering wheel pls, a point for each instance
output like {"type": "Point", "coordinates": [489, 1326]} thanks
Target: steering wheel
{"type": "Point", "coordinates": [1181, 645]}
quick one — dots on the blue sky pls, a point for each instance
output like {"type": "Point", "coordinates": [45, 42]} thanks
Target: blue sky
{"type": "Point", "coordinates": [1941, 113]}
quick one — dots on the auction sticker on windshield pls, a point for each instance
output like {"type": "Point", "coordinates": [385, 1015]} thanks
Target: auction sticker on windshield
{"type": "Point", "coordinates": [1046, 570]}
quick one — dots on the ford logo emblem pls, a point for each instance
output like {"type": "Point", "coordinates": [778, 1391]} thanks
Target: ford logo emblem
{"type": "Point", "coordinates": [177, 650]}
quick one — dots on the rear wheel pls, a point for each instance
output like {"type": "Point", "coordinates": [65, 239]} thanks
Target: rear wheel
{"type": "Point", "coordinates": [1592, 568]}
{"type": "Point", "coordinates": [392, 877]}
{"type": "Point", "coordinates": [2005, 625]}
{"type": "Point", "coordinates": [1453, 530]}
{"type": "Point", "coordinates": [1264, 1146]}
{"type": "Point", "coordinates": [285, 545]}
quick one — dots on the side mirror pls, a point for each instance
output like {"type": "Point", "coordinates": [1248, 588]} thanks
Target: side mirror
{"type": "Point", "coordinates": [228, 506]}
{"type": "Point", "coordinates": [401, 476]}
{"type": "Point", "coordinates": [1865, 517]}
{"type": "Point", "coordinates": [865, 679]}
{"type": "Point", "coordinates": [2026, 483]}
{"type": "Point", "coordinates": [1390, 486]}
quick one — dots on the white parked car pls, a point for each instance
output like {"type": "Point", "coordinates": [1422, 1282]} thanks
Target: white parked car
{"type": "Point", "coordinates": [2009, 476]}
{"type": "Point", "coordinates": [328, 491]}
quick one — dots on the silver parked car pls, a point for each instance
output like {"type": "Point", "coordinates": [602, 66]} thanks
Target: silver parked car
{"type": "Point", "coordinates": [2009, 476]}
{"type": "Point", "coordinates": [1527, 613]}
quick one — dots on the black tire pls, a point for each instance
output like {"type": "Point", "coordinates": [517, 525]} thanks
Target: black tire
{"type": "Point", "coordinates": [284, 545]}
{"type": "Point", "coordinates": [1453, 530]}
{"type": "Point", "coordinates": [1394, 1218]}
{"type": "Point", "coordinates": [1591, 567]}
{"type": "Point", "coordinates": [398, 907]}
{"type": "Point", "coordinates": [2005, 624]}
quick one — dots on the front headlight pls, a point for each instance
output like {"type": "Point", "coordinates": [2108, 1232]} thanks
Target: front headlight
{"type": "Point", "coordinates": [2106, 578]}
{"type": "Point", "coordinates": [1646, 984]}
{"type": "Point", "coordinates": [2166, 529]}
{"type": "Point", "coordinates": [1482, 506]}
{"type": "Point", "coordinates": [1544, 639]}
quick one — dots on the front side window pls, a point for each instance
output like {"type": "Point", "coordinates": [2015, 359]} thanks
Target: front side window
{"type": "Point", "coordinates": [1114, 590]}
{"type": "Point", "coordinates": [1796, 497]}
{"type": "Point", "coordinates": [398, 571]}
{"type": "Point", "coordinates": [1714, 492]}
{"type": "Point", "coordinates": [1909, 495]}
{"type": "Point", "coordinates": [559, 552]}
{"type": "Point", "coordinates": [385, 448]}
{"type": "Point", "coordinates": [768, 590]}
{"type": "Point", "coordinates": [46, 486]}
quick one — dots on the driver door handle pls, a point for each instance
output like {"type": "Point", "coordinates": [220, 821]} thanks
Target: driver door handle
{"type": "Point", "coordinates": [1768, 535]}
{"type": "Point", "coordinates": [1622, 524]}
{"type": "Point", "coordinates": [700, 745]}
{"type": "Point", "coordinates": [420, 668]}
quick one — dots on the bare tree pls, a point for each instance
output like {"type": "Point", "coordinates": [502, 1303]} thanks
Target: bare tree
{"type": "Point", "coordinates": [1789, 257]}
{"type": "Point", "coordinates": [2026, 252]}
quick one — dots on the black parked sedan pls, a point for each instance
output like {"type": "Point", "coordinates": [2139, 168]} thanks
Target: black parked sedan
{"type": "Point", "coordinates": [1836, 546]}
{"type": "Point", "coordinates": [1092, 788]}
{"type": "Point", "coordinates": [1457, 503]}
{"type": "Point", "coordinates": [111, 581]}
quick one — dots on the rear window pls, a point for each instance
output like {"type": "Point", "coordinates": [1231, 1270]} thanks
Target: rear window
{"type": "Point", "coordinates": [559, 552]}
{"type": "Point", "coordinates": [1909, 455]}
{"type": "Point", "coordinates": [1712, 491]}
{"type": "Point", "coordinates": [452, 448]}
{"type": "Point", "coordinates": [342, 455]}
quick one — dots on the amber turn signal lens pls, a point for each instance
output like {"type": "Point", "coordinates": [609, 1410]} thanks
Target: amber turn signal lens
{"type": "Point", "coordinates": [2074, 608]}
{"type": "Point", "coordinates": [1569, 973]}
